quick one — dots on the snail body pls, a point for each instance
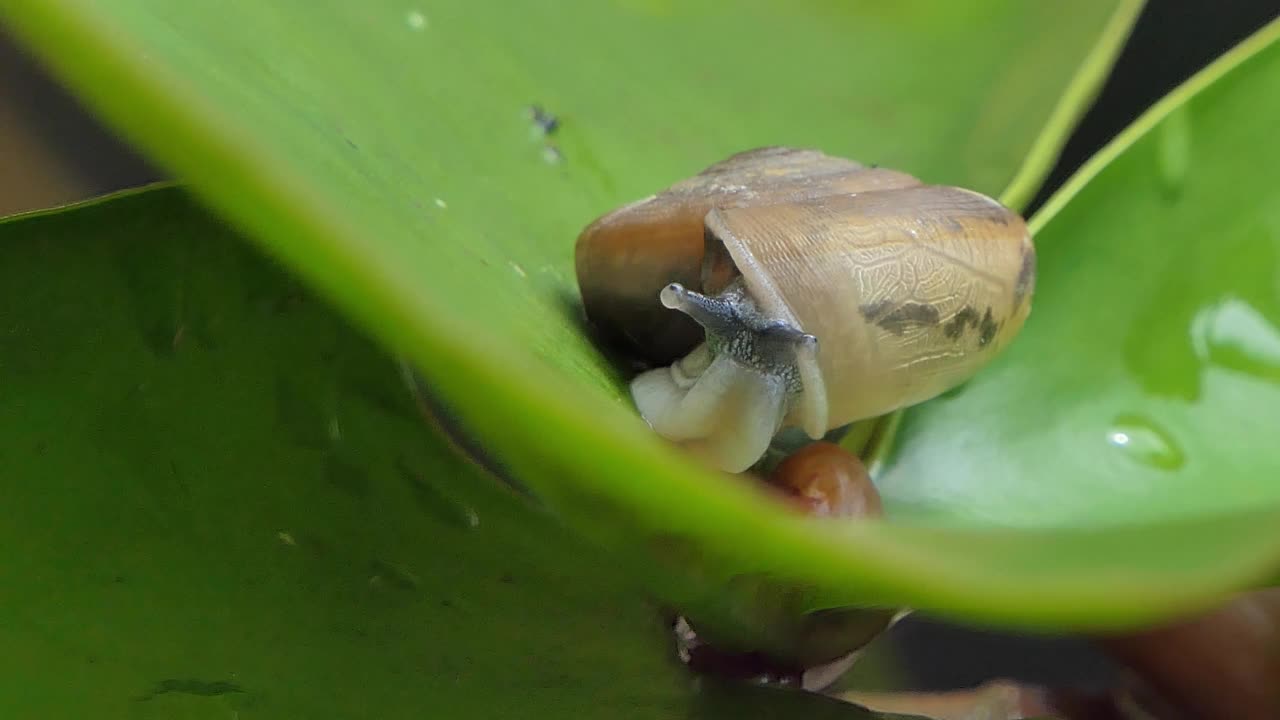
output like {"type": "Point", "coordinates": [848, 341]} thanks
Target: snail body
{"type": "Point", "coordinates": [812, 291]}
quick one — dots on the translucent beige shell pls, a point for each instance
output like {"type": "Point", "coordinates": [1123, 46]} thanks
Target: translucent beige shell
{"type": "Point", "coordinates": [908, 289]}
{"type": "Point", "coordinates": [625, 258]}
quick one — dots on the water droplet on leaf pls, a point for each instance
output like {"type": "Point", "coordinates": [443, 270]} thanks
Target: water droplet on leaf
{"type": "Point", "coordinates": [1144, 441]}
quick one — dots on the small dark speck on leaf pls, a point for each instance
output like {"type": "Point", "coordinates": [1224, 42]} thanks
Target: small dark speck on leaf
{"type": "Point", "coordinates": [192, 687]}
{"type": "Point", "coordinates": [543, 121]}
{"type": "Point", "coordinates": [545, 125]}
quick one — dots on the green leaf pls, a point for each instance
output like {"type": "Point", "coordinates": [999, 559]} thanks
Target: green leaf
{"type": "Point", "coordinates": [1146, 387]}
{"type": "Point", "coordinates": [220, 501]}
{"type": "Point", "coordinates": [383, 154]}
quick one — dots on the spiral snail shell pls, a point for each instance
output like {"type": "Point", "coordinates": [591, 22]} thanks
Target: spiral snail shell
{"type": "Point", "coordinates": [811, 291]}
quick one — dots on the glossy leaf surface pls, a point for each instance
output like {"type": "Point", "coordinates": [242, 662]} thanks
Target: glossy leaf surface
{"type": "Point", "coordinates": [1147, 386]}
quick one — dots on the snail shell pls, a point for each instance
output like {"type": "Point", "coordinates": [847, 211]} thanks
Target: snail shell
{"type": "Point", "coordinates": [823, 480]}
{"type": "Point", "coordinates": [626, 257]}
{"type": "Point", "coordinates": [813, 292]}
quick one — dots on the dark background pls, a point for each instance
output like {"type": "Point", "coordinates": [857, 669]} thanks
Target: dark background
{"type": "Point", "coordinates": [52, 152]}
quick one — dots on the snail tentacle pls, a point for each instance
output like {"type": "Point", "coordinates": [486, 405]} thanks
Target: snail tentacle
{"type": "Point", "coordinates": [728, 397]}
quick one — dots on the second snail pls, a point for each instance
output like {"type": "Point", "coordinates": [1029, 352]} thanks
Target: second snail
{"type": "Point", "coordinates": [784, 288]}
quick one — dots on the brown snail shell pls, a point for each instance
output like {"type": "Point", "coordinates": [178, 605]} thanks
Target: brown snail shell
{"type": "Point", "coordinates": [826, 291]}
{"type": "Point", "coordinates": [823, 480]}
{"type": "Point", "coordinates": [627, 256]}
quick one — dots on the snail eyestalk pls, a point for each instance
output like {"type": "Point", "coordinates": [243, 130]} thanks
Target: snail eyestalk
{"type": "Point", "coordinates": [727, 398]}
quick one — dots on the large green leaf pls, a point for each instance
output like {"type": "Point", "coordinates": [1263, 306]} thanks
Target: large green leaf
{"type": "Point", "coordinates": [424, 208]}
{"type": "Point", "coordinates": [380, 149]}
{"type": "Point", "coordinates": [1146, 387]}
{"type": "Point", "coordinates": [315, 164]}
{"type": "Point", "coordinates": [221, 502]}
{"type": "Point", "coordinates": [383, 149]}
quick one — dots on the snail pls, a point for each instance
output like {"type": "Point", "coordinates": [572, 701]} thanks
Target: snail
{"type": "Point", "coordinates": [811, 291]}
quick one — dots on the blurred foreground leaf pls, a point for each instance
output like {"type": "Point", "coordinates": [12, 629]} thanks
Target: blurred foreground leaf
{"type": "Point", "coordinates": [220, 502]}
